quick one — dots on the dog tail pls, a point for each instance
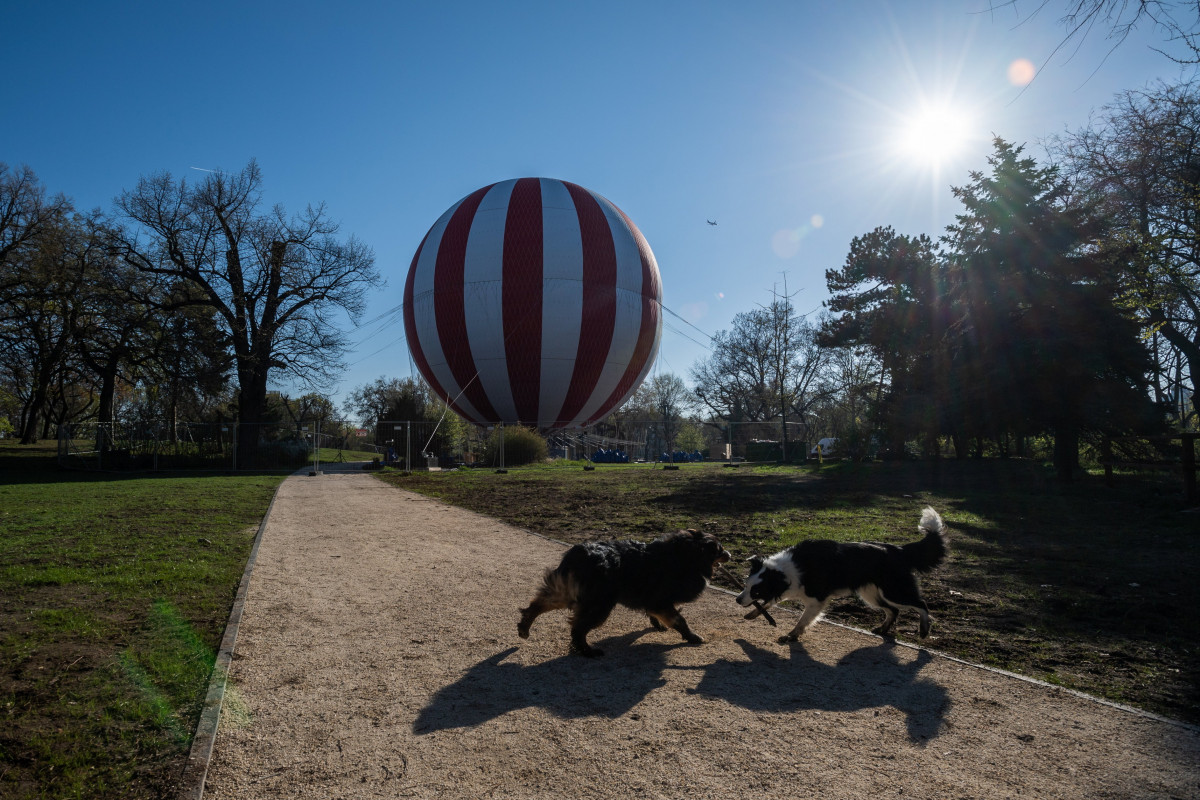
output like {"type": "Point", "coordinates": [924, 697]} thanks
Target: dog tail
{"type": "Point", "coordinates": [559, 588]}
{"type": "Point", "coordinates": [927, 553]}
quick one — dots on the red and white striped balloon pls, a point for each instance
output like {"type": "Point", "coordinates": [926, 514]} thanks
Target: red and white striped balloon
{"type": "Point", "coordinates": [534, 301]}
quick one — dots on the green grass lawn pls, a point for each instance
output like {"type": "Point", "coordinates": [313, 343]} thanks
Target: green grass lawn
{"type": "Point", "coordinates": [114, 593]}
{"type": "Point", "coordinates": [331, 455]}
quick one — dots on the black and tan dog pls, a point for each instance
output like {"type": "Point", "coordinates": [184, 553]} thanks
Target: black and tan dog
{"type": "Point", "coordinates": [652, 577]}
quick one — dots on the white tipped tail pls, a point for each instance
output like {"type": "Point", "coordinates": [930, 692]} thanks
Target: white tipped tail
{"type": "Point", "coordinates": [931, 521]}
{"type": "Point", "coordinates": [930, 551]}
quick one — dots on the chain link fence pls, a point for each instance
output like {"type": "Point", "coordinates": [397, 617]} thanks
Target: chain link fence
{"type": "Point", "coordinates": [421, 444]}
{"type": "Point", "coordinates": [182, 445]}
{"type": "Point", "coordinates": [403, 444]}
{"type": "Point", "coordinates": [229, 446]}
{"type": "Point", "coordinates": [735, 442]}
{"type": "Point", "coordinates": [210, 445]}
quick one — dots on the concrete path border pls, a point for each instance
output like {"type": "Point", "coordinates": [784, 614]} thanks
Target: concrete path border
{"type": "Point", "coordinates": [196, 770]}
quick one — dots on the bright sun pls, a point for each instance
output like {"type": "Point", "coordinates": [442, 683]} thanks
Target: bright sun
{"type": "Point", "coordinates": [934, 136]}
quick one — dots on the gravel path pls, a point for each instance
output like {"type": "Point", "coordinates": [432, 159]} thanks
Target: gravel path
{"type": "Point", "coordinates": [378, 658]}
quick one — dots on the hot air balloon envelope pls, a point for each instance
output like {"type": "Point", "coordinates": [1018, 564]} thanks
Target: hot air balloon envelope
{"type": "Point", "coordinates": [533, 301]}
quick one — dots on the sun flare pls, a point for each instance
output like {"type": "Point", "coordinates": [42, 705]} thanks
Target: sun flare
{"type": "Point", "coordinates": [935, 135]}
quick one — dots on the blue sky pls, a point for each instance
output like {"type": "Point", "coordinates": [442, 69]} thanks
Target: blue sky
{"type": "Point", "coordinates": [779, 120]}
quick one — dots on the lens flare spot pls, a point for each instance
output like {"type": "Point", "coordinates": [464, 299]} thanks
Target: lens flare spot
{"type": "Point", "coordinates": [694, 312]}
{"type": "Point", "coordinates": [786, 243]}
{"type": "Point", "coordinates": [1021, 72]}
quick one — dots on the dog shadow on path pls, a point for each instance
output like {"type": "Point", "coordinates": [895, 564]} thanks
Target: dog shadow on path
{"type": "Point", "coordinates": [569, 686]}
{"type": "Point", "coordinates": [869, 677]}
{"type": "Point", "coordinates": [772, 681]}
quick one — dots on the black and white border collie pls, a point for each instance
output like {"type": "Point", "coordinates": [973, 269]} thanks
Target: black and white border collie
{"type": "Point", "coordinates": [652, 577]}
{"type": "Point", "coordinates": [819, 570]}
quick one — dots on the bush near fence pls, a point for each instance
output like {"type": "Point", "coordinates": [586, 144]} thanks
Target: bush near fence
{"type": "Point", "coordinates": [521, 445]}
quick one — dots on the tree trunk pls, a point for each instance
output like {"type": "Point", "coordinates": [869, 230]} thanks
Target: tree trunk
{"type": "Point", "coordinates": [36, 408]}
{"type": "Point", "coordinates": [108, 391]}
{"type": "Point", "coordinates": [104, 415]}
{"type": "Point", "coordinates": [1066, 452]}
{"type": "Point", "coordinates": [252, 403]}
{"type": "Point", "coordinates": [29, 431]}
{"type": "Point", "coordinates": [1189, 347]}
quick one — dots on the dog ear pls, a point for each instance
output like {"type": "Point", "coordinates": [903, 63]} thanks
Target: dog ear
{"type": "Point", "coordinates": [756, 562]}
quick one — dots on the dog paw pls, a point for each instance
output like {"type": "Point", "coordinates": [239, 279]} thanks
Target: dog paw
{"type": "Point", "coordinates": [788, 639]}
{"type": "Point", "coordinates": [522, 632]}
{"type": "Point", "coordinates": [694, 639]}
{"type": "Point", "coordinates": [587, 651]}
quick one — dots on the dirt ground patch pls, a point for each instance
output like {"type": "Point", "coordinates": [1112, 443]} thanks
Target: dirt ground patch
{"type": "Point", "coordinates": [378, 657]}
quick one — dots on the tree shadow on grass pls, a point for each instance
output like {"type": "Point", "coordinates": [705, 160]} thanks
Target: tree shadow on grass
{"type": "Point", "coordinates": [866, 678]}
{"type": "Point", "coordinates": [569, 687]}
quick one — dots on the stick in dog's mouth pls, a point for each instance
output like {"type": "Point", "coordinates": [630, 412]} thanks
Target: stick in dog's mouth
{"type": "Point", "coordinates": [758, 606]}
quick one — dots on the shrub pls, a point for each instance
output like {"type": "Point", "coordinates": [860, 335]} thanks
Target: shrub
{"type": "Point", "coordinates": [521, 446]}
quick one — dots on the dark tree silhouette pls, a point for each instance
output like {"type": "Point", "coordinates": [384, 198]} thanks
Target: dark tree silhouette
{"type": "Point", "coordinates": [1011, 327]}
{"type": "Point", "coordinates": [274, 281]}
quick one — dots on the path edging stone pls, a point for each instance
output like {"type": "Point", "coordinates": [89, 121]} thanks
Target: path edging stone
{"type": "Point", "coordinates": [195, 772]}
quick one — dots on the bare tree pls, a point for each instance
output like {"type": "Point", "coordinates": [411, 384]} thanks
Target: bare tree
{"type": "Point", "coordinates": [189, 369]}
{"type": "Point", "coordinates": [1178, 22]}
{"type": "Point", "coordinates": [633, 420]}
{"type": "Point", "coordinates": [24, 214]}
{"type": "Point", "coordinates": [39, 314]}
{"type": "Point", "coordinates": [735, 381]}
{"type": "Point", "coordinates": [312, 407]}
{"type": "Point", "coordinates": [669, 397]}
{"type": "Point", "coordinates": [1139, 161]}
{"type": "Point", "coordinates": [276, 282]}
{"type": "Point", "coordinates": [844, 408]}
{"type": "Point", "coordinates": [766, 366]}
{"type": "Point", "coordinates": [391, 399]}
{"type": "Point", "coordinates": [116, 327]}
{"type": "Point", "coordinates": [32, 334]}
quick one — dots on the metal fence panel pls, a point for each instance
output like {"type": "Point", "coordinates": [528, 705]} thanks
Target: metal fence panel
{"type": "Point", "coordinates": [177, 446]}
